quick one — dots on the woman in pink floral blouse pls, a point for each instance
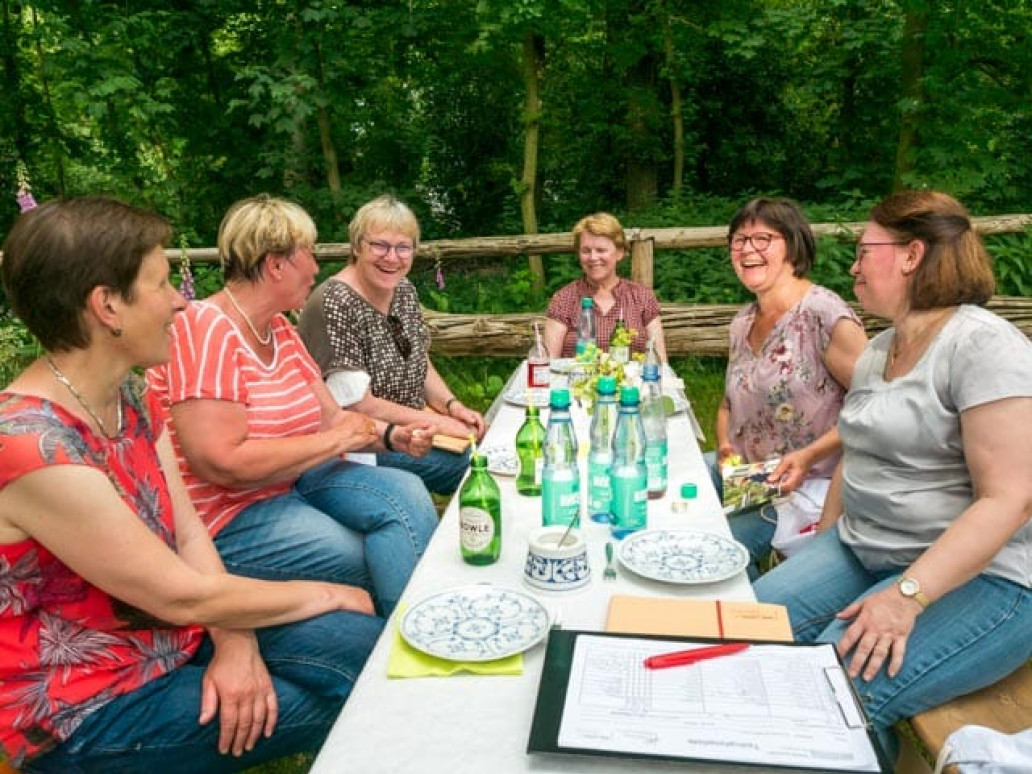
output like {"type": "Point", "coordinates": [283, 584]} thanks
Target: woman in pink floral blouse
{"type": "Point", "coordinates": [791, 358]}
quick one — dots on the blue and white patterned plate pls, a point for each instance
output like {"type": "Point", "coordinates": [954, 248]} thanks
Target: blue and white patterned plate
{"type": "Point", "coordinates": [475, 623]}
{"type": "Point", "coordinates": [521, 396]}
{"type": "Point", "coordinates": [682, 556]}
{"type": "Point", "coordinates": [501, 460]}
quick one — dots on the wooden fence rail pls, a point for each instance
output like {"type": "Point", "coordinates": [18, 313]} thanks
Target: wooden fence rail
{"type": "Point", "coordinates": [695, 330]}
{"type": "Point", "coordinates": [699, 329]}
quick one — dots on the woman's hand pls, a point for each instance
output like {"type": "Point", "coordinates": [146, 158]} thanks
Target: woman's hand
{"type": "Point", "coordinates": [415, 439]}
{"type": "Point", "coordinates": [474, 420]}
{"type": "Point", "coordinates": [792, 470]}
{"type": "Point", "coordinates": [882, 623]}
{"type": "Point", "coordinates": [352, 599]}
{"type": "Point", "coordinates": [237, 686]}
{"type": "Point", "coordinates": [354, 431]}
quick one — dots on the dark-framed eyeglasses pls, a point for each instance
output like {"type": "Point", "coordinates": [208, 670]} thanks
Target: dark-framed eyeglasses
{"type": "Point", "coordinates": [401, 341]}
{"type": "Point", "coordinates": [403, 250]}
{"type": "Point", "coordinates": [760, 241]}
{"type": "Point", "coordinates": [861, 246]}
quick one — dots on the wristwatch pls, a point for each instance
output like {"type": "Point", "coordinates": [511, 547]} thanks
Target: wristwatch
{"type": "Point", "coordinates": [911, 589]}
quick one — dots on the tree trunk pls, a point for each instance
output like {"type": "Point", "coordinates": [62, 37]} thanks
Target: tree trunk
{"type": "Point", "coordinates": [914, 32]}
{"type": "Point", "coordinates": [533, 56]}
{"type": "Point", "coordinates": [676, 112]}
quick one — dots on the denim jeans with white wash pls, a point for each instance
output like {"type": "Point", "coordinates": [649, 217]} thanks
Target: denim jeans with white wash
{"type": "Point", "coordinates": [342, 522]}
{"type": "Point", "coordinates": [973, 636]}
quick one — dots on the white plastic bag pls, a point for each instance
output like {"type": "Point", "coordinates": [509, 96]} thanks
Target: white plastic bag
{"type": "Point", "coordinates": [798, 515]}
{"type": "Point", "coordinates": [981, 750]}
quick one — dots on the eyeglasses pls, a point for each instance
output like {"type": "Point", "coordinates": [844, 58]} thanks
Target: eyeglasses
{"type": "Point", "coordinates": [401, 341]}
{"type": "Point", "coordinates": [861, 246]}
{"type": "Point", "coordinates": [760, 241]}
{"type": "Point", "coordinates": [379, 249]}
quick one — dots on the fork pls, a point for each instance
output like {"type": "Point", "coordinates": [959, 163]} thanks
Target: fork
{"type": "Point", "coordinates": [610, 572]}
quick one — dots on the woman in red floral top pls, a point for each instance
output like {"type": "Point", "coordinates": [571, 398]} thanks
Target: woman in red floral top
{"type": "Point", "coordinates": [122, 639]}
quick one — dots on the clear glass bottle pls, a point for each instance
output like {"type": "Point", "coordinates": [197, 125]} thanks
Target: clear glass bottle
{"type": "Point", "coordinates": [586, 324]}
{"type": "Point", "coordinates": [480, 515]}
{"type": "Point", "coordinates": [530, 442]}
{"type": "Point", "coordinates": [621, 353]}
{"type": "Point", "coordinates": [560, 475]}
{"type": "Point", "coordinates": [538, 362]}
{"type": "Point", "coordinates": [628, 476]}
{"type": "Point", "coordinates": [600, 453]}
{"type": "Point", "coordinates": [653, 417]}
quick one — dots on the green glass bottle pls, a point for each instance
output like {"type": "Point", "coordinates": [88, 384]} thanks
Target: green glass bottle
{"type": "Point", "coordinates": [480, 515]}
{"type": "Point", "coordinates": [529, 443]}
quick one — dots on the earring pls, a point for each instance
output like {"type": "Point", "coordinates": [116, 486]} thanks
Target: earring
{"type": "Point", "coordinates": [116, 332]}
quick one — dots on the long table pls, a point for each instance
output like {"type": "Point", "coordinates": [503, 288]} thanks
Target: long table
{"type": "Point", "coordinates": [478, 724]}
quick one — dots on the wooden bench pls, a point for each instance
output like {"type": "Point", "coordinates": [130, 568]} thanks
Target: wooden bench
{"type": "Point", "coordinates": [1005, 706]}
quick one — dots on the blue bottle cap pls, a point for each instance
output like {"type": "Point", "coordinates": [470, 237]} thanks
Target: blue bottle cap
{"type": "Point", "coordinates": [559, 399]}
{"type": "Point", "coordinates": [650, 372]}
{"type": "Point", "coordinates": [628, 396]}
{"type": "Point", "coordinates": [606, 385]}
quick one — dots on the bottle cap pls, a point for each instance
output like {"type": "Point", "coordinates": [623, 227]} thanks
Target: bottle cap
{"type": "Point", "coordinates": [587, 302]}
{"type": "Point", "coordinates": [606, 385]}
{"type": "Point", "coordinates": [628, 396]}
{"type": "Point", "coordinates": [650, 372]}
{"type": "Point", "coordinates": [560, 399]}
{"type": "Point", "coordinates": [478, 460]}
{"type": "Point", "coordinates": [689, 491]}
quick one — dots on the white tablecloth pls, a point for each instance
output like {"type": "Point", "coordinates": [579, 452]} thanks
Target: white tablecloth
{"type": "Point", "coordinates": [479, 725]}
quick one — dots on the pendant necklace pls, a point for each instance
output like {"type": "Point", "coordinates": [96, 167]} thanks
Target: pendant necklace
{"type": "Point", "coordinates": [59, 375]}
{"type": "Point", "coordinates": [268, 333]}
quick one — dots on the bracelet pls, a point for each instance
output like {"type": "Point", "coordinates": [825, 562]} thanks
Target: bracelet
{"type": "Point", "coordinates": [387, 437]}
{"type": "Point", "coordinates": [447, 404]}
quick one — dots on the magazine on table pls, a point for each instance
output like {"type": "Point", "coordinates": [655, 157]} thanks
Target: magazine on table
{"type": "Point", "coordinates": [746, 485]}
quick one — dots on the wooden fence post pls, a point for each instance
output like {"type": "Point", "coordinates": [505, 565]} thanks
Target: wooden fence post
{"type": "Point", "coordinates": [641, 258]}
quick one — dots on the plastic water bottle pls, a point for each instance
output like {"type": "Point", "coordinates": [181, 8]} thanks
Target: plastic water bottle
{"type": "Point", "coordinates": [586, 324]}
{"type": "Point", "coordinates": [538, 363]}
{"type": "Point", "coordinates": [480, 515]}
{"type": "Point", "coordinates": [628, 477]}
{"type": "Point", "coordinates": [600, 454]}
{"type": "Point", "coordinates": [651, 356]}
{"type": "Point", "coordinates": [560, 476]}
{"type": "Point", "coordinates": [653, 417]}
{"type": "Point", "coordinates": [530, 443]}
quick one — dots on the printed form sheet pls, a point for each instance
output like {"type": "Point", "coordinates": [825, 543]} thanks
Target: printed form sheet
{"type": "Point", "coordinates": [771, 704]}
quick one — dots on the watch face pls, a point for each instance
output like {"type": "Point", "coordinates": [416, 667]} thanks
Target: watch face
{"type": "Point", "coordinates": [909, 587]}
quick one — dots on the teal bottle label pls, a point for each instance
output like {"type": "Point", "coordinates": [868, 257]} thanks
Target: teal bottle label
{"type": "Point", "coordinates": [600, 494]}
{"type": "Point", "coordinates": [656, 463]}
{"type": "Point", "coordinates": [560, 499]}
{"type": "Point", "coordinates": [630, 501]}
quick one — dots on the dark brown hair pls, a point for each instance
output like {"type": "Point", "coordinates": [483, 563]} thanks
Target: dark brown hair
{"type": "Point", "coordinates": [57, 253]}
{"type": "Point", "coordinates": [785, 217]}
{"type": "Point", "coordinates": [956, 267]}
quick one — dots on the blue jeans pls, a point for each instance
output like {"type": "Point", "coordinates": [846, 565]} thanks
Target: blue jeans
{"type": "Point", "coordinates": [342, 522]}
{"type": "Point", "coordinates": [313, 664]}
{"type": "Point", "coordinates": [968, 639]}
{"type": "Point", "coordinates": [440, 470]}
{"type": "Point", "coordinates": [754, 529]}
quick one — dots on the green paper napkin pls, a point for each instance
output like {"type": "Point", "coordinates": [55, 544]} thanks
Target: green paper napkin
{"type": "Point", "coordinates": [406, 661]}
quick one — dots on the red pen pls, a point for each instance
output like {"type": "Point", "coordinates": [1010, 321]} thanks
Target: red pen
{"type": "Point", "coordinates": [686, 657]}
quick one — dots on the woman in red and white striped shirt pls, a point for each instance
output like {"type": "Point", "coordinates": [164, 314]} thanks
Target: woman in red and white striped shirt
{"type": "Point", "coordinates": [260, 441]}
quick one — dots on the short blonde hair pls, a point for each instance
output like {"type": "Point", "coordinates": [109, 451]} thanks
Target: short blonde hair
{"type": "Point", "coordinates": [259, 226]}
{"type": "Point", "coordinates": [384, 213]}
{"type": "Point", "coordinates": [600, 224]}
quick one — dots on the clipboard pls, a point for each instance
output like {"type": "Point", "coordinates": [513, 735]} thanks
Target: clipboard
{"type": "Point", "coordinates": [556, 681]}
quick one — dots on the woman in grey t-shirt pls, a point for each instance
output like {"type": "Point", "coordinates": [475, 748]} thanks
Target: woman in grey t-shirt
{"type": "Point", "coordinates": [922, 571]}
